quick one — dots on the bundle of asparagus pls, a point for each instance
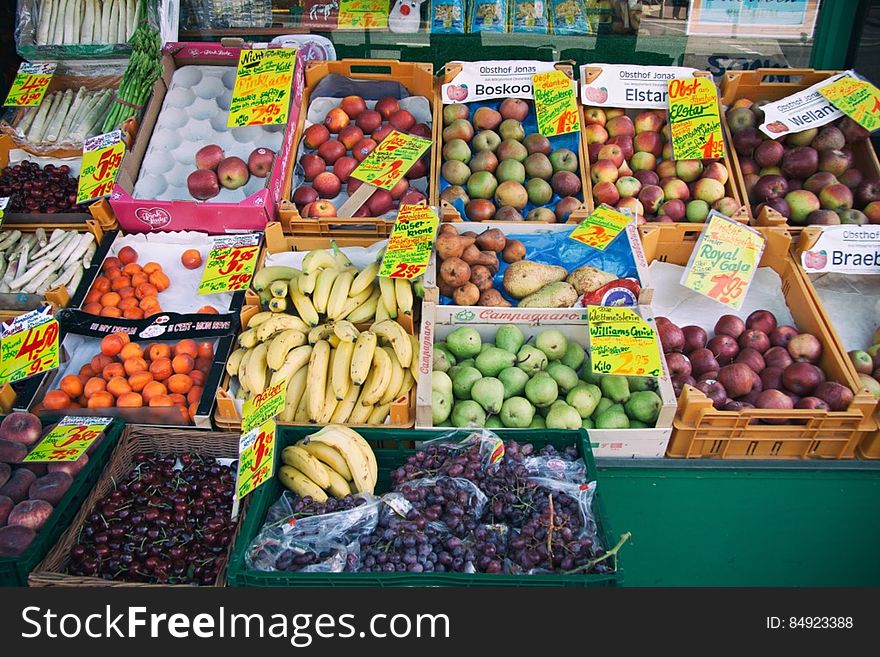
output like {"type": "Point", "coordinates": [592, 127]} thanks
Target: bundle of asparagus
{"type": "Point", "coordinates": [62, 22]}
{"type": "Point", "coordinates": [65, 117]}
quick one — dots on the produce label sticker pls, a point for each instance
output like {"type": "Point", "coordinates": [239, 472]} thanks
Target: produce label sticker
{"type": "Point", "coordinates": [256, 458]}
{"type": "Point", "coordinates": [844, 250]}
{"type": "Point", "coordinates": [30, 84]}
{"type": "Point", "coordinates": [411, 242]}
{"type": "Point", "coordinates": [601, 227]}
{"type": "Point", "coordinates": [102, 155]}
{"type": "Point", "coordinates": [231, 263]}
{"type": "Point", "coordinates": [363, 15]}
{"type": "Point", "coordinates": [28, 345]}
{"type": "Point", "coordinates": [263, 406]}
{"type": "Point", "coordinates": [694, 119]}
{"type": "Point", "coordinates": [69, 439]}
{"type": "Point", "coordinates": [804, 110]}
{"type": "Point", "coordinates": [261, 94]}
{"type": "Point", "coordinates": [391, 159]}
{"type": "Point", "coordinates": [724, 261]}
{"type": "Point", "coordinates": [621, 342]}
{"type": "Point", "coordinates": [555, 104]}
{"type": "Point", "coordinates": [857, 98]}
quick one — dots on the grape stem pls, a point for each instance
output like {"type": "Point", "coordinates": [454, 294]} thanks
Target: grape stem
{"type": "Point", "coordinates": [592, 562]}
{"type": "Point", "coordinates": [550, 527]}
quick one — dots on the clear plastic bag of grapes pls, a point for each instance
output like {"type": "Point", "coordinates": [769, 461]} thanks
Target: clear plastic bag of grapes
{"type": "Point", "coordinates": [557, 468]}
{"type": "Point", "coordinates": [466, 453]}
{"type": "Point", "coordinates": [290, 505]}
{"type": "Point", "coordinates": [454, 501]}
{"type": "Point", "coordinates": [272, 554]}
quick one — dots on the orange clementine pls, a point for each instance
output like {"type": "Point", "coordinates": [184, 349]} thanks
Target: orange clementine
{"type": "Point", "coordinates": [130, 400]}
{"type": "Point", "coordinates": [128, 303]}
{"type": "Point", "coordinates": [180, 383]}
{"type": "Point", "coordinates": [93, 308]}
{"type": "Point", "coordinates": [55, 399]}
{"type": "Point", "coordinates": [127, 255]}
{"type": "Point", "coordinates": [139, 380]}
{"type": "Point", "coordinates": [182, 364]}
{"type": "Point", "coordinates": [191, 259]}
{"type": "Point", "coordinates": [93, 385]}
{"type": "Point", "coordinates": [194, 394]}
{"type": "Point", "coordinates": [158, 350]}
{"type": "Point", "coordinates": [161, 368]}
{"type": "Point", "coordinates": [111, 345]}
{"type": "Point", "coordinates": [177, 399]}
{"type": "Point", "coordinates": [139, 279]}
{"type": "Point", "coordinates": [117, 386]}
{"type": "Point", "coordinates": [131, 350]}
{"type": "Point", "coordinates": [87, 370]}
{"type": "Point", "coordinates": [146, 290]}
{"type": "Point", "coordinates": [135, 365]}
{"type": "Point", "coordinates": [192, 409]}
{"type": "Point", "coordinates": [187, 347]}
{"type": "Point", "coordinates": [126, 292]}
{"type": "Point", "coordinates": [161, 400]}
{"type": "Point", "coordinates": [101, 400]}
{"type": "Point", "coordinates": [113, 274]}
{"type": "Point", "coordinates": [72, 385]}
{"type": "Point", "coordinates": [153, 389]}
{"type": "Point", "coordinates": [206, 350]}
{"type": "Point", "coordinates": [113, 370]}
{"type": "Point", "coordinates": [185, 413]}
{"type": "Point", "coordinates": [122, 335]}
{"type": "Point", "coordinates": [148, 303]}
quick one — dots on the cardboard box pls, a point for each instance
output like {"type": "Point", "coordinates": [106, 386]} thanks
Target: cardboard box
{"type": "Point", "coordinates": [440, 321]}
{"type": "Point", "coordinates": [141, 215]}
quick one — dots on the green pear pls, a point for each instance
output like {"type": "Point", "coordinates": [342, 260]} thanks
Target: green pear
{"type": "Point", "coordinates": [873, 349]}
{"type": "Point", "coordinates": [491, 361]}
{"type": "Point", "coordinates": [494, 422]}
{"type": "Point", "coordinates": [615, 387]}
{"type": "Point", "coordinates": [440, 381]}
{"type": "Point", "coordinates": [563, 417]}
{"type": "Point", "coordinates": [463, 380]}
{"type": "Point", "coordinates": [574, 355]}
{"type": "Point", "coordinates": [441, 406]}
{"type": "Point", "coordinates": [641, 383]}
{"type": "Point", "coordinates": [468, 413]}
{"type": "Point", "coordinates": [584, 398]}
{"type": "Point", "coordinates": [443, 361]}
{"type": "Point", "coordinates": [485, 346]}
{"type": "Point", "coordinates": [587, 374]}
{"type": "Point", "coordinates": [517, 413]}
{"type": "Point", "coordinates": [586, 423]}
{"type": "Point", "coordinates": [556, 404]}
{"type": "Point", "coordinates": [509, 338]}
{"type": "Point", "coordinates": [542, 390]}
{"type": "Point", "coordinates": [538, 423]}
{"type": "Point", "coordinates": [467, 362]}
{"type": "Point", "coordinates": [612, 419]}
{"type": "Point", "coordinates": [635, 424]}
{"type": "Point", "coordinates": [464, 342]}
{"type": "Point", "coordinates": [565, 377]}
{"type": "Point", "coordinates": [442, 346]}
{"type": "Point", "coordinates": [488, 392]}
{"type": "Point", "coordinates": [552, 343]}
{"type": "Point", "coordinates": [603, 405]}
{"type": "Point", "coordinates": [530, 359]}
{"type": "Point", "coordinates": [644, 406]}
{"type": "Point", "coordinates": [514, 380]}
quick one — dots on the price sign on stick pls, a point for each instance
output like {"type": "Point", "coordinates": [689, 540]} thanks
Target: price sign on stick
{"type": "Point", "coordinates": [621, 342]}
{"type": "Point", "coordinates": [555, 103]}
{"type": "Point", "coordinates": [391, 159]}
{"type": "Point", "coordinates": [69, 439]}
{"type": "Point", "coordinates": [362, 15]}
{"type": "Point", "coordinates": [261, 94]}
{"type": "Point", "coordinates": [601, 227]}
{"type": "Point", "coordinates": [231, 263]}
{"type": "Point", "coordinates": [256, 449]}
{"type": "Point", "coordinates": [28, 345]}
{"type": "Point", "coordinates": [30, 84]}
{"type": "Point", "coordinates": [724, 261]}
{"type": "Point", "coordinates": [412, 239]}
{"type": "Point", "coordinates": [857, 98]}
{"type": "Point", "coordinates": [694, 119]}
{"type": "Point", "coordinates": [102, 155]}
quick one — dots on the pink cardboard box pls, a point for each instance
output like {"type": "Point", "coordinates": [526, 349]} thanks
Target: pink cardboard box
{"type": "Point", "coordinates": [142, 215]}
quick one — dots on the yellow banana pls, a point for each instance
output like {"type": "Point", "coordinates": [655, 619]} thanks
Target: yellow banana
{"type": "Point", "coordinates": [399, 339]}
{"type": "Point", "coordinates": [248, 338]}
{"type": "Point", "coordinates": [294, 480]}
{"type": "Point", "coordinates": [381, 312]}
{"type": "Point", "coordinates": [305, 283]}
{"type": "Point", "coordinates": [403, 292]}
{"type": "Point", "coordinates": [357, 461]}
{"type": "Point", "coordinates": [263, 278]}
{"type": "Point", "coordinates": [340, 258]}
{"type": "Point", "coordinates": [364, 311]}
{"type": "Point", "coordinates": [360, 413]}
{"type": "Point", "coordinates": [361, 442]}
{"type": "Point", "coordinates": [364, 278]}
{"type": "Point", "coordinates": [322, 288]}
{"type": "Point", "coordinates": [380, 376]}
{"type": "Point", "coordinates": [242, 370]}
{"type": "Point", "coordinates": [234, 361]}
{"type": "Point", "coordinates": [316, 386]}
{"type": "Point", "coordinates": [303, 306]}
{"type": "Point", "coordinates": [297, 457]}
{"type": "Point", "coordinates": [296, 388]}
{"type": "Point", "coordinates": [339, 294]}
{"type": "Point", "coordinates": [296, 359]}
{"type": "Point", "coordinates": [345, 331]}
{"type": "Point", "coordinates": [390, 393]}
{"type": "Point", "coordinates": [338, 487]}
{"type": "Point", "coordinates": [281, 345]}
{"type": "Point", "coordinates": [302, 412]}
{"type": "Point", "coordinates": [329, 407]}
{"type": "Point", "coordinates": [345, 407]}
{"type": "Point", "coordinates": [277, 305]}
{"type": "Point", "coordinates": [329, 456]}
{"type": "Point", "coordinates": [406, 385]}
{"type": "Point", "coordinates": [259, 318]}
{"type": "Point", "coordinates": [416, 352]}
{"type": "Point", "coordinates": [255, 372]}
{"type": "Point", "coordinates": [340, 369]}
{"type": "Point", "coordinates": [317, 259]}
{"type": "Point", "coordinates": [278, 289]}
{"type": "Point", "coordinates": [362, 357]}
{"type": "Point", "coordinates": [320, 332]}
{"type": "Point", "coordinates": [389, 298]}
{"type": "Point", "coordinates": [379, 414]}
{"type": "Point", "coordinates": [280, 323]}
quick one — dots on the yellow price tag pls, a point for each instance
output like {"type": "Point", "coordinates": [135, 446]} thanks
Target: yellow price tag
{"type": "Point", "coordinates": [261, 94]}
{"type": "Point", "coordinates": [101, 158]}
{"type": "Point", "coordinates": [263, 406]}
{"type": "Point", "coordinates": [256, 458]}
{"type": "Point", "coordinates": [555, 103]}
{"type": "Point", "coordinates": [231, 263]}
{"type": "Point", "coordinates": [30, 84]}
{"type": "Point", "coordinates": [68, 440]}
{"type": "Point", "coordinates": [621, 342]}
{"type": "Point", "coordinates": [601, 227]}
{"type": "Point", "coordinates": [412, 239]}
{"type": "Point", "coordinates": [724, 260]}
{"type": "Point", "coordinates": [857, 98]}
{"type": "Point", "coordinates": [391, 159]}
{"type": "Point", "coordinates": [29, 346]}
{"type": "Point", "coordinates": [694, 119]}
{"type": "Point", "coordinates": [362, 15]}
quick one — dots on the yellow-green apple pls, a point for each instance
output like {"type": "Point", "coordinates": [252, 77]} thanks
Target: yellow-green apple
{"type": "Point", "coordinates": [688, 170]}
{"type": "Point", "coordinates": [594, 115]}
{"type": "Point", "coordinates": [676, 188]}
{"type": "Point", "coordinates": [836, 197]}
{"type": "Point", "coordinates": [718, 171]}
{"type": "Point", "coordinates": [708, 190]}
{"type": "Point", "coordinates": [594, 134]}
{"type": "Point", "coordinates": [697, 211]}
{"type": "Point", "coordinates": [455, 111]}
{"type": "Point", "coordinates": [611, 152]}
{"type": "Point", "coordinates": [648, 122]}
{"type": "Point", "coordinates": [232, 172]}
{"type": "Point", "coordinates": [511, 193]}
{"type": "Point", "coordinates": [643, 161]}
{"type": "Point", "coordinates": [457, 149]}
{"type": "Point", "coordinates": [801, 203]}
{"type": "Point", "coordinates": [538, 165]}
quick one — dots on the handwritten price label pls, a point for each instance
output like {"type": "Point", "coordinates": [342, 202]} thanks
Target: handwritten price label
{"type": "Point", "coordinates": [231, 263]}
{"type": "Point", "coordinates": [362, 15]}
{"type": "Point", "coordinates": [694, 119]}
{"type": "Point", "coordinates": [601, 227]}
{"type": "Point", "coordinates": [621, 342]}
{"type": "Point", "coordinates": [555, 103]}
{"type": "Point", "coordinates": [412, 239]}
{"type": "Point", "coordinates": [69, 439]}
{"type": "Point", "coordinates": [102, 155]}
{"type": "Point", "coordinates": [724, 261]}
{"type": "Point", "coordinates": [263, 406]}
{"type": "Point", "coordinates": [256, 458]}
{"type": "Point", "coordinates": [29, 346]}
{"type": "Point", "coordinates": [30, 84]}
{"type": "Point", "coordinates": [391, 159]}
{"type": "Point", "coordinates": [857, 98]}
{"type": "Point", "coordinates": [261, 94]}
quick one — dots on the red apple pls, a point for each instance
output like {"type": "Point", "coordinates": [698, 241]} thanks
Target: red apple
{"type": "Point", "coordinates": [771, 378]}
{"type": "Point", "coordinates": [752, 358]}
{"type": "Point", "coordinates": [312, 165]}
{"type": "Point", "coordinates": [730, 325]}
{"type": "Point", "coordinates": [321, 209]}
{"type": "Point", "coordinates": [303, 196]}
{"type": "Point", "coordinates": [762, 320]}
{"type": "Point", "coordinates": [350, 135]}
{"type": "Point", "coordinates": [353, 105]}
{"type": "Point", "coordinates": [694, 338]}
{"type": "Point", "coordinates": [260, 162]}
{"type": "Point", "coordinates": [754, 339]}
{"type": "Point", "coordinates": [363, 148]}
{"type": "Point", "coordinates": [805, 347]}
{"type": "Point", "coordinates": [736, 379]}
{"type": "Point", "coordinates": [315, 135]}
{"type": "Point", "coordinates": [381, 132]}
{"type": "Point", "coordinates": [782, 335]}
{"type": "Point", "coordinates": [702, 361]}
{"type": "Point", "coordinates": [724, 347]}
{"type": "Point", "coordinates": [21, 427]}
{"type": "Point", "coordinates": [837, 396]}
{"type": "Point", "coordinates": [233, 173]}
{"type": "Point", "coordinates": [777, 357]}
{"type": "Point", "coordinates": [679, 364]}
{"type": "Point", "coordinates": [336, 120]}
{"type": "Point", "coordinates": [330, 151]}
{"type": "Point", "coordinates": [714, 390]}
{"type": "Point", "coordinates": [387, 106]}
{"type": "Point", "coordinates": [380, 202]}
{"type": "Point", "coordinates": [679, 382]}
{"type": "Point", "coordinates": [402, 120]}
{"type": "Point", "coordinates": [327, 185]}
{"type": "Point", "coordinates": [209, 157]}
{"type": "Point", "coordinates": [369, 121]}
{"type": "Point", "coordinates": [802, 378]}
{"type": "Point", "coordinates": [343, 167]}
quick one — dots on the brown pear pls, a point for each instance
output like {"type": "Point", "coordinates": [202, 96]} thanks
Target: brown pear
{"type": "Point", "coordinates": [491, 240]}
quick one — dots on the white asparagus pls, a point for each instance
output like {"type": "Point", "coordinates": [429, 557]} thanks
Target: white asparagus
{"type": "Point", "coordinates": [10, 270]}
{"type": "Point", "coordinates": [78, 100]}
{"type": "Point", "coordinates": [63, 108]}
{"type": "Point", "coordinates": [106, 8]}
{"type": "Point", "coordinates": [57, 234]}
{"type": "Point", "coordinates": [81, 245]}
{"type": "Point", "coordinates": [27, 242]}
{"type": "Point", "coordinates": [69, 22]}
{"type": "Point", "coordinates": [26, 120]}
{"type": "Point", "coordinates": [77, 277]}
{"type": "Point", "coordinates": [122, 25]}
{"type": "Point", "coordinates": [37, 281]}
{"type": "Point", "coordinates": [4, 288]}
{"type": "Point", "coordinates": [44, 22]}
{"type": "Point", "coordinates": [65, 277]}
{"type": "Point", "coordinates": [40, 234]}
{"type": "Point", "coordinates": [88, 117]}
{"type": "Point", "coordinates": [42, 111]}
{"type": "Point", "coordinates": [48, 284]}
{"type": "Point", "coordinates": [20, 281]}
{"type": "Point", "coordinates": [53, 248]}
{"type": "Point", "coordinates": [38, 129]}
{"type": "Point", "coordinates": [96, 119]}
{"type": "Point", "coordinates": [88, 103]}
{"type": "Point", "coordinates": [114, 22]}
{"type": "Point", "coordinates": [90, 253]}
{"type": "Point", "coordinates": [77, 21]}
{"type": "Point", "coordinates": [58, 22]}
{"type": "Point", "coordinates": [2, 265]}
{"type": "Point", "coordinates": [132, 17]}
{"type": "Point", "coordinates": [9, 238]}
{"type": "Point", "coordinates": [70, 248]}
{"type": "Point", "coordinates": [22, 260]}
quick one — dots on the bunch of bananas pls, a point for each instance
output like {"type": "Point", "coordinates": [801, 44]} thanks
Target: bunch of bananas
{"type": "Point", "coordinates": [335, 460]}
{"type": "Point", "coordinates": [330, 286]}
{"type": "Point", "coordinates": [334, 372]}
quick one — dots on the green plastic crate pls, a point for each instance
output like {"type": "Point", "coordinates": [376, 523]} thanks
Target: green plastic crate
{"type": "Point", "coordinates": [14, 570]}
{"type": "Point", "coordinates": [395, 447]}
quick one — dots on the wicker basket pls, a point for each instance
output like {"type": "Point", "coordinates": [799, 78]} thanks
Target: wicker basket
{"type": "Point", "coordinates": [135, 439]}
